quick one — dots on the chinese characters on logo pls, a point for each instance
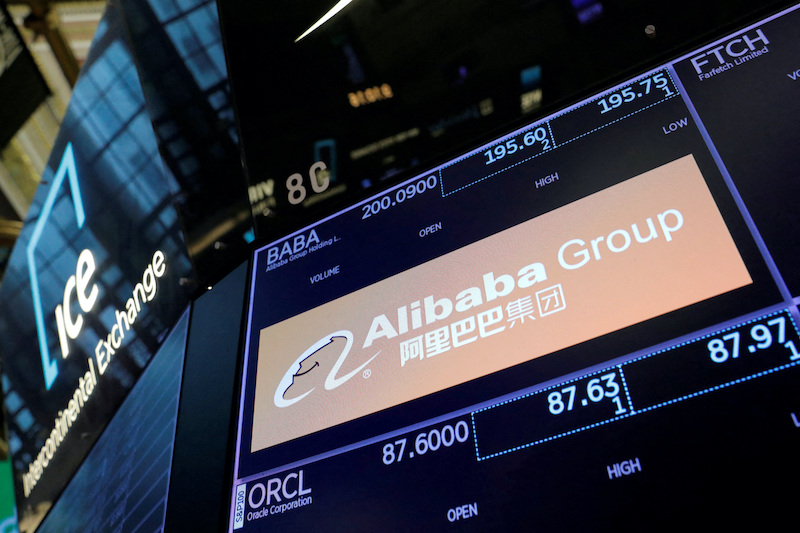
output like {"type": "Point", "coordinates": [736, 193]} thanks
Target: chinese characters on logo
{"type": "Point", "coordinates": [484, 324]}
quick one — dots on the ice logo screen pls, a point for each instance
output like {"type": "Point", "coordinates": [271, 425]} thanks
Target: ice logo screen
{"type": "Point", "coordinates": [78, 284]}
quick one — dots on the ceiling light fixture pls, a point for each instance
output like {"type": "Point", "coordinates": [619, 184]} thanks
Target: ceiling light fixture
{"type": "Point", "coordinates": [326, 17]}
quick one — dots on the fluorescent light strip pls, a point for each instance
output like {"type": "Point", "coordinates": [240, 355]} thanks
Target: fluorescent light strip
{"type": "Point", "coordinates": [326, 17]}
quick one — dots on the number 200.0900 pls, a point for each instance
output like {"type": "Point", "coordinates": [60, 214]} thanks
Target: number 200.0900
{"type": "Point", "coordinates": [400, 196]}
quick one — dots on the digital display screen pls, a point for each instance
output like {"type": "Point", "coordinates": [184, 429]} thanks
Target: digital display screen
{"type": "Point", "coordinates": [93, 284]}
{"type": "Point", "coordinates": [590, 320]}
{"type": "Point", "coordinates": [122, 485]}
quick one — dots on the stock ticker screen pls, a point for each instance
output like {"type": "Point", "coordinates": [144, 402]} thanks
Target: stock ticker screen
{"type": "Point", "coordinates": [587, 322]}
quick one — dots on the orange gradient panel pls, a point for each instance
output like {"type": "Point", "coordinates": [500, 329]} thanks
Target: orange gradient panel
{"type": "Point", "coordinates": [647, 246]}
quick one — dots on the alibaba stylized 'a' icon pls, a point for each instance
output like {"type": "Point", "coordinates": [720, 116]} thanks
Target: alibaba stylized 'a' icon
{"type": "Point", "coordinates": [308, 371]}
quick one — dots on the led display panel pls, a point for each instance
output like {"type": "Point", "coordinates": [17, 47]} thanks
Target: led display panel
{"type": "Point", "coordinates": [586, 322]}
{"type": "Point", "coordinates": [122, 485]}
{"type": "Point", "coordinates": [350, 97]}
{"type": "Point", "coordinates": [92, 287]}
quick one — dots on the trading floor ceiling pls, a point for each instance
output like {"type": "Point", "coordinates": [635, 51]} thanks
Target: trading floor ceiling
{"type": "Point", "coordinates": [58, 34]}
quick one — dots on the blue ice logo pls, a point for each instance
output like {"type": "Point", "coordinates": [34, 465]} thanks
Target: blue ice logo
{"type": "Point", "coordinates": [66, 170]}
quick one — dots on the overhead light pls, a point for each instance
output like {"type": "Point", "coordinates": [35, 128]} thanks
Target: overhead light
{"type": "Point", "coordinates": [326, 17]}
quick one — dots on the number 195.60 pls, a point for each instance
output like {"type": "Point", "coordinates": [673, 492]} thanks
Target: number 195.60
{"type": "Point", "coordinates": [512, 146]}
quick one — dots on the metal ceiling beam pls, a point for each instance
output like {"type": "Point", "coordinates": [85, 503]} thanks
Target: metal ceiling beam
{"type": "Point", "coordinates": [43, 20]}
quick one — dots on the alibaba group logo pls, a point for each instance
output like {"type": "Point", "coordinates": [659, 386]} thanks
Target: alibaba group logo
{"type": "Point", "coordinates": [305, 375]}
